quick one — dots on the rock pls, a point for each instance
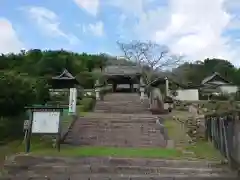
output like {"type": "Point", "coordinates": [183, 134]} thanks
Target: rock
{"type": "Point", "coordinates": [170, 144]}
{"type": "Point", "coordinates": [205, 110]}
{"type": "Point", "coordinates": [188, 152]}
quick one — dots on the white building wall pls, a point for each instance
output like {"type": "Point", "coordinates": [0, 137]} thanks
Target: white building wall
{"type": "Point", "coordinates": [228, 89]}
{"type": "Point", "coordinates": [187, 95]}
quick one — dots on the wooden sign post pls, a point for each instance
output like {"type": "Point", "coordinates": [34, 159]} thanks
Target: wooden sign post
{"type": "Point", "coordinates": [44, 120]}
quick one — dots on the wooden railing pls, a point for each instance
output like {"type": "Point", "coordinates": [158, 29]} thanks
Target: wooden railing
{"type": "Point", "coordinates": [223, 130]}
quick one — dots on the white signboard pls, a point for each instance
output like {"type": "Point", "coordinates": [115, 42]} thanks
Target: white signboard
{"type": "Point", "coordinates": [72, 100]}
{"type": "Point", "coordinates": [45, 122]}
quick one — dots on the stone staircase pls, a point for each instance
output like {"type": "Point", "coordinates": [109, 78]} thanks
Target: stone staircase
{"type": "Point", "coordinates": [124, 103]}
{"type": "Point", "coordinates": [117, 130]}
{"type": "Point", "coordinates": [92, 168]}
{"type": "Point", "coordinates": [121, 120]}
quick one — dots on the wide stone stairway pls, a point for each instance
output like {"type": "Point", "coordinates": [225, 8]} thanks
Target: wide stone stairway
{"type": "Point", "coordinates": [121, 120]}
{"type": "Point", "coordinates": [123, 103]}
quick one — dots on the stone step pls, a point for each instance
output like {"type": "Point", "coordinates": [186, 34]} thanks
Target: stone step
{"type": "Point", "coordinates": [132, 106]}
{"type": "Point", "coordinates": [116, 122]}
{"type": "Point", "coordinates": [120, 108]}
{"type": "Point", "coordinates": [122, 103]}
{"type": "Point", "coordinates": [124, 107]}
{"type": "Point", "coordinates": [52, 176]}
{"type": "Point", "coordinates": [119, 103]}
{"type": "Point", "coordinates": [29, 160]}
{"type": "Point", "coordinates": [123, 112]}
{"type": "Point", "coordinates": [120, 118]}
{"type": "Point", "coordinates": [114, 168]}
{"type": "Point", "coordinates": [131, 170]}
{"type": "Point", "coordinates": [117, 130]}
{"type": "Point", "coordinates": [113, 115]}
{"type": "Point", "coordinates": [117, 143]}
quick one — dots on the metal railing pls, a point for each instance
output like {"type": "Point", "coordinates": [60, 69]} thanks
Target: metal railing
{"type": "Point", "coordinates": [222, 130]}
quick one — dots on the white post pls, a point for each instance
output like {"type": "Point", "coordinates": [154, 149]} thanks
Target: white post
{"type": "Point", "coordinates": [142, 93]}
{"type": "Point", "coordinates": [166, 86]}
{"type": "Point", "coordinates": [72, 100]}
{"type": "Point", "coordinates": [97, 91]}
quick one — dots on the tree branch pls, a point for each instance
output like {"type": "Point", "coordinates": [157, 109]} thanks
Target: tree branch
{"type": "Point", "coordinates": [149, 54]}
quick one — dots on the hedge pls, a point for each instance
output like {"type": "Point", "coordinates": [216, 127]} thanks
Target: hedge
{"type": "Point", "coordinates": [18, 91]}
{"type": "Point", "coordinates": [87, 104]}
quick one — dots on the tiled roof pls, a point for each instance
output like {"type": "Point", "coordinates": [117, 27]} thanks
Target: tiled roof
{"type": "Point", "coordinates": [65, 75]}
{"type": "Point", "coordinates": [209, 78]}
{"type": "Point", "coordinates": [122, 70]}
{"type": "Point", "coordinates": [162, 80]}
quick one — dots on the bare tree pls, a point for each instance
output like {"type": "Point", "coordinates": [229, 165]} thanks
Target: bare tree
{"type": "Point", "coordinates": [149, 56]}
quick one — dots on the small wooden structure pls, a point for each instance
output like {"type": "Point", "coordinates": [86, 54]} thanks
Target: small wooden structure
{"type": "Point", "coordinates": [123, 75]}
{"type": "Point", "coordinates": [60, 87]}
{"type": "Point", "coordinates": [64, 81]}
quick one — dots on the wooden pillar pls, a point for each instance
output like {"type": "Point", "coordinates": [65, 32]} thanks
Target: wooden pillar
{"type": "Point", "coordinates": [114, 87]}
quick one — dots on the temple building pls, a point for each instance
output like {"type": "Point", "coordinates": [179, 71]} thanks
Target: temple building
{"type": "Point", "coordinates": [217, 83]}
{"type": "Point", "coordinates": [123, 78]}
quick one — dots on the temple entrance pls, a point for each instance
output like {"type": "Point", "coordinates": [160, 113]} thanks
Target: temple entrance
{"type": "Point", "coordinates": [123, 78]}
{"type": "Point", "coordinates": [122, 83]}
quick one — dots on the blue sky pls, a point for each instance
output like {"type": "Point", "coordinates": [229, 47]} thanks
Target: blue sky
{"type": "Point", "coordinates": [194, 28]}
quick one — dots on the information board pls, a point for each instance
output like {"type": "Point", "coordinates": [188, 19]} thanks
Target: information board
{"type": "Point", "coordinates": [45, 122]}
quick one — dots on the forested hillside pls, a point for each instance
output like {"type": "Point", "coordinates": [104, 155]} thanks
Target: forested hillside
{"type": "Point", "coordinates": [23, 81]}
{"type": "Point", "coordinates": [195, 72]}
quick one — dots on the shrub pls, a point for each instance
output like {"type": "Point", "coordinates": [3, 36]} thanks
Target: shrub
{"type": "Point", "coordinates": [87, 103]}
{"type": "Point", "coordinates": [11, 127]}
{"type": "Point", "coordinates": [86, 79]}
{"type": "Point", "coordinates": [18, 91]}
{"type": "Point", "coordinates": [61, 98]}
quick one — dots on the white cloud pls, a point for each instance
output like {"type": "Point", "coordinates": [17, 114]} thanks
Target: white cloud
{"type": "Point", "coordinates": [9, 41]}
{"type": "Point", "coordinates": [96, 29]}
{"type": "Point", "coordinates": [91, 6]}
{"type": "Point", "coordinates": [197, 30]}
{"type": "Point", "coordinates": [135, 7]}
{"type": "Point", "coordinates": [191, 27]}
{"type": "Point", "coordinates": [49, 23]}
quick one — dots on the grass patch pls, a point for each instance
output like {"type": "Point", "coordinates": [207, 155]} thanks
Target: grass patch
{"type": "Point", "coordinates": [81, 110]}
{"type": "Point", "coordinates": [108, 151]}
{"type": "Point", "coordinates": [44, 148]}
{"type": "Point", "coordinates": [37, 142]}
{"type": "Point", "coordinates": [66, 119]}
{"type": "Point", "coordinates": [205, 150]}
{"type": "Point", "coordinates": [199, 150]}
